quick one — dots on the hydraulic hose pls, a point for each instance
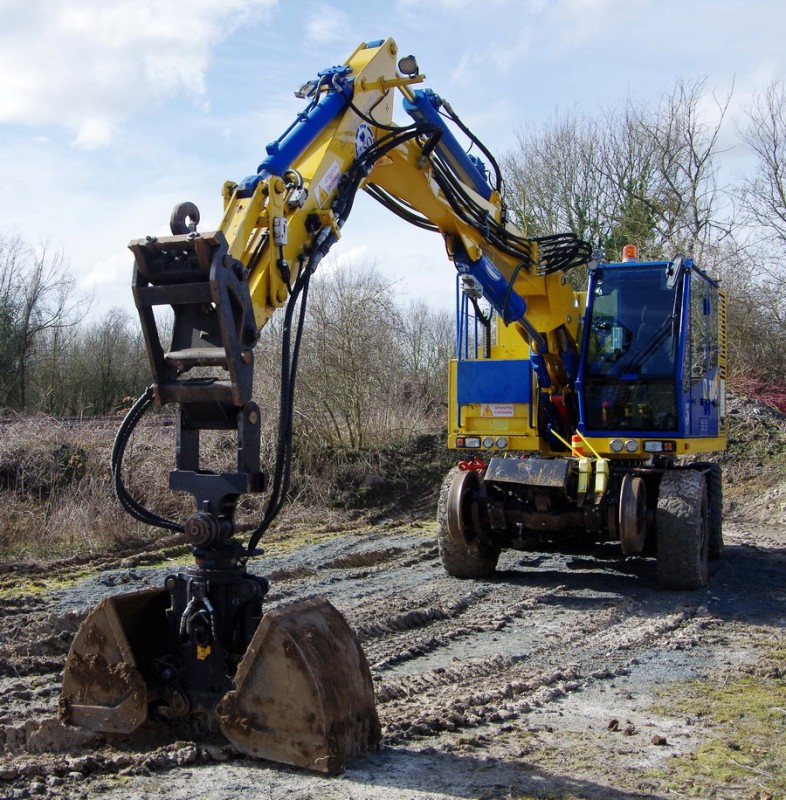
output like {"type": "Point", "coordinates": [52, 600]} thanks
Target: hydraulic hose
{"type": "Point", "coordinates": [132, 506]}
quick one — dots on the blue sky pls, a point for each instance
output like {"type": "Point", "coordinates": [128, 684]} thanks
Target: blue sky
{"type": "Point", "coordinates": [112, 111]}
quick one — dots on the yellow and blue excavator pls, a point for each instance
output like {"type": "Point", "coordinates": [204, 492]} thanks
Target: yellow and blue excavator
{"type": "Point", "coordinates": [570, 410]}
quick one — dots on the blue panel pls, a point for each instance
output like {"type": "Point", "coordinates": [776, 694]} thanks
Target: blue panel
{"type": "Point", "coordinates": [487, 381]}
{"type": "Point", "coordinates": [704, 413]}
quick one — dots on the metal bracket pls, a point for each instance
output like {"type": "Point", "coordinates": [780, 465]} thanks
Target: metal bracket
{"type": "Point", "coordinates": [213, 317]}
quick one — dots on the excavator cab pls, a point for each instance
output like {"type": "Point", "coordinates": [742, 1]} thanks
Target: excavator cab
{"type": "Point", "coordinates": [651, 360]}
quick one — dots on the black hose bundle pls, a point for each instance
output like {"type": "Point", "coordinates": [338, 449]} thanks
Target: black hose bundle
{"type": "Point", "coordinates": [132, 506]}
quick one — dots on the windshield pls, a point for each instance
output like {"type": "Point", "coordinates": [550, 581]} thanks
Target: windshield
{"type": "Point", "coordinates": [632, 324]}
{"type": "Point", "coordinates": [631, 350]}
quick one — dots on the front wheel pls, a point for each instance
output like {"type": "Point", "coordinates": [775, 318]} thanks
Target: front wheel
{"type": "Point", "coordinates": [465, 551]}
{"type": "Point", "coordinates": [682, 530]}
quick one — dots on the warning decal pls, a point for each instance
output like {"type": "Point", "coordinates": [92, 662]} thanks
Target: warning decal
{"type": "Point", "coordinates": [327, 183]}
{"type": "Point", "coordinates": [496, 410]}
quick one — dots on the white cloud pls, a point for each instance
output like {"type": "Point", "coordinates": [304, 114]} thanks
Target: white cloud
{"type": "Point", "coordinates": [329, 24]}
{"type": "Point", "coordinates": [346, 255]}
{"type": "Point", "coordinates": [448, 5]}
{"type": "Point", "coordinates": [93, 133]}
{"type": "Point", "coordinates": [87, 65]}
{"type": "Point", "coordinates": [114, 271]}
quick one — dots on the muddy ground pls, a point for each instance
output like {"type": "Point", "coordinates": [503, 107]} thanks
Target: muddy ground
{"type": "Point", "coordinates": [559, 677]}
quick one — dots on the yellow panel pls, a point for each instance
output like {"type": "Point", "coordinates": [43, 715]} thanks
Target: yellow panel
{"type": "Point", "coordinates": [684, 446]}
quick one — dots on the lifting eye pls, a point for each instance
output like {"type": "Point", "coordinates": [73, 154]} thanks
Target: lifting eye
{"type": "Point", "coordinates": [184, 219]}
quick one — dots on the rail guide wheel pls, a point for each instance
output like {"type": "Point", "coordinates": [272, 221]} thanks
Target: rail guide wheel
{"type": "Point", "coordinates": [464, 546]}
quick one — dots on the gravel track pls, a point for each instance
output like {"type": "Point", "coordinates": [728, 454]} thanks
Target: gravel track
{"type": "Point", "coordinates": [536, 682]}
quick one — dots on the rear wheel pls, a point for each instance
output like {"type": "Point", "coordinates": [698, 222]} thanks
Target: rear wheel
{"type": "Point", "coordinates": [465, 551]}
{"type": "Point", "coordinates": [682, 527]}
{"type": "Point", "coordinates": [715, 513]}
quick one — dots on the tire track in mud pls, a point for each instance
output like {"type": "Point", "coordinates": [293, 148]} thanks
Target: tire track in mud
{"type": "Point", "coordinates": [547, 664]}
{"type": "Point", "coordinates": [34, 574]}
{"type": "Point", "coordinates": [561, 651]}
{"type": "Point", "coordinates": [446, 655]}
{"type": "Point", "coordinates": [500, 688]}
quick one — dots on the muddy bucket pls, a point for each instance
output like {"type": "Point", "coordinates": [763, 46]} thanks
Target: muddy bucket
{"type": "Point", "coordinates": [103, 689]}
{"type": "Point", "coordinates": [303, 692]}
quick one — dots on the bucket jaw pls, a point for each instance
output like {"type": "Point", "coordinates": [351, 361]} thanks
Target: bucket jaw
{"type": "Point", "coordinates": [301, 694]}
{"type": "Point", "coordinates": [103, 688]}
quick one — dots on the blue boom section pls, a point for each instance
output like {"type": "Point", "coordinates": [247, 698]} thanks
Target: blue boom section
{"type": "Point", "coordinates": [497, 289]}
{"type": "Point", "coordinates": [308, 126]}
{"type": "Point", "coordinates": [424, 107]}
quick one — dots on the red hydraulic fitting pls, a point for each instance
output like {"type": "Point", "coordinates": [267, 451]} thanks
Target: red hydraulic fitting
{"type": "Point", "coordinates": [474, 463]}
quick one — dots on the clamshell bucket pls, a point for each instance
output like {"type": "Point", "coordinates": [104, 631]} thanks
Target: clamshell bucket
{"type": "Point", "coordinates": [103, 690]}
{"type": "Point", "coordinates": [303, 692]}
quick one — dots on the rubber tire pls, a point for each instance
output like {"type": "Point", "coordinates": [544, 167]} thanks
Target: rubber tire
{"type": "Point", "coordinates": [715, 512]}
{"type": "Point", "coordinates": [479, 561]}
{"type": "Point", "coordinates": [682, 530]}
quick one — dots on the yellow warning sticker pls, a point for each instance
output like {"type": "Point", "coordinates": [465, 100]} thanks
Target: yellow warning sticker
{"type": "Point", "coordinates": [327, 183]}
{"type": "Point", "coordinates": [496, 410]}
{"type": "Point", "coordinates": [203, 652]}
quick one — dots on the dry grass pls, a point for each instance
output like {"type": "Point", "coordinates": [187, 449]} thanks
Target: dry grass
{"type": "Point", "coordinates": [56, 487]}
{"type": "Point", "coordinates": [57, 497]}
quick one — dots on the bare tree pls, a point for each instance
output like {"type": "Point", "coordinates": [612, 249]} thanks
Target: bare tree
{"type": "Point", "coordinates": [349, 358]}
{"type": "Point", "coordinates": [427, 340]}
{"type": "Point", "coordinates": [372, 370]}
{"type": "Point", "coordinates": [763, 199]}
{"type": "Point", "coordinates": [102, 366]}
{"type": "Point", "coordinates": [690, 214]}
{"type": "Point", "coordinates": [646, 175]}
{"type": "Point", "coordinates": [553, 180]}
{"type": "Point", "coordinates": [38, 297]}
{"type": "Point", "coordinates": [764, 193]}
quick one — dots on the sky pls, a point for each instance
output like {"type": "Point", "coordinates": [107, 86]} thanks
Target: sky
{"type": "Point", "coordinates": [113, 111]}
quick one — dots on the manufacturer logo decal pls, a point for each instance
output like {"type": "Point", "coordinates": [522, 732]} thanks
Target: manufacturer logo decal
{"type": "Point", "coordinates": [492, 271]}
{"type": "Point", "coordinates": [364, 138]}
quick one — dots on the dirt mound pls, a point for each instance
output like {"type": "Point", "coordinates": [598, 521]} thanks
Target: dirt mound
{"type": "Point", "coordinates": [754, 465]}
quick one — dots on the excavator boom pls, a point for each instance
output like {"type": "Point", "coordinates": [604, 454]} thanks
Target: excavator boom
{"type": "Point", "coordinates": [288, 684]}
